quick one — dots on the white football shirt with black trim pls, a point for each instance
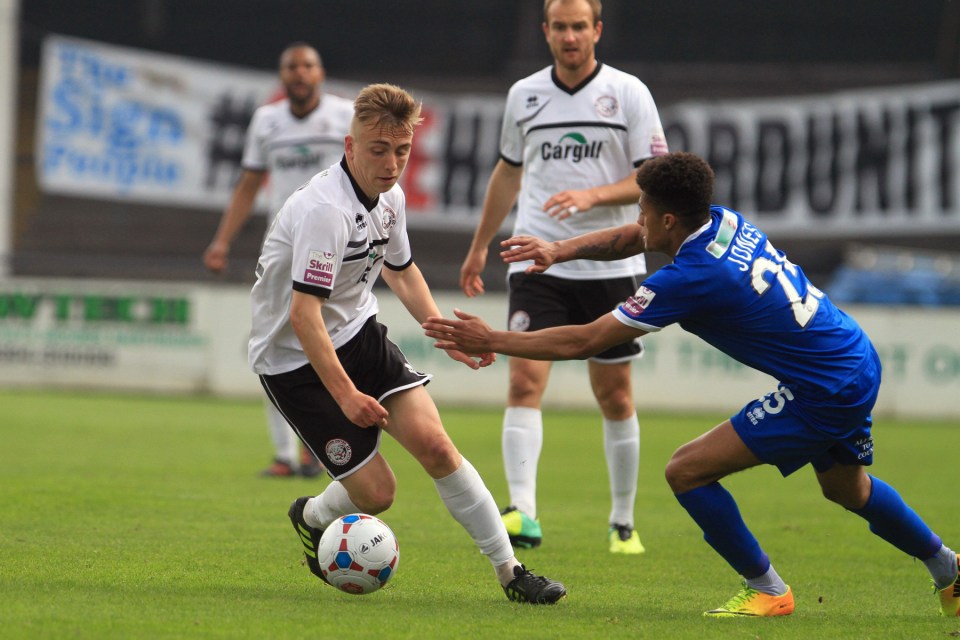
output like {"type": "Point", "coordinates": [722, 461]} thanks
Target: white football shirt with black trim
{"type": "Point", "coordinates": [292, 149]}
{"type": "Point", "coordinates": [572, 139]}
{"type": "Point", "coordinates": [328, 240]}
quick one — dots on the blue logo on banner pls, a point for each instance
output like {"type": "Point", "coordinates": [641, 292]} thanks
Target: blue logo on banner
{"type": "Point", "coordinates": [97, 133]}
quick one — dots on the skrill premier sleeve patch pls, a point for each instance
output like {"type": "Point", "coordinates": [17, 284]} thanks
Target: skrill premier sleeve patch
{"type": "Point", "coordinates": [319, 268]}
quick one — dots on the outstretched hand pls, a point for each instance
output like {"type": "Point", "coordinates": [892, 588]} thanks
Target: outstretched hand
{"type": "Point", "coordinates": [523, 248]}
{"type": "Point", "coordinates": [469, 335]}
{"type": "Point", "coordinates": [472, 361]}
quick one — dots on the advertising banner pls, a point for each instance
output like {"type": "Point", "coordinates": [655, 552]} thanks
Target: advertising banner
{"type": "Point", "coordinates": [126, 124]}
{"type": "Point", "coordinates": [118, 123]}
{"type": "Point", "coordinates": [121, 123]}
{"type": "Point", "coordinates": [853, 163]}
{"type": "Point", "coordinates": [121, 335]}
{"type": "Point", "coordinates": [131, 336]}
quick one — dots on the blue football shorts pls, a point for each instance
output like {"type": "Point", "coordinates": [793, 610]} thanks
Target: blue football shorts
{"type": "Point", "coordinates": [786, 430]}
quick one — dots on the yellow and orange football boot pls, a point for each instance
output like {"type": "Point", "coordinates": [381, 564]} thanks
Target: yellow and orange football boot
{"type": "Point", "coordinates": [950, 597]}
{"type": "Point", "coordinates": [752, 603]}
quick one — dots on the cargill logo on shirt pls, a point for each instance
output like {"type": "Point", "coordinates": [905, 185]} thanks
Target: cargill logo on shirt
{"type": "Point", "coordinates": [301, 158]}
{"type": "Point", "coordinates": [571, 146]}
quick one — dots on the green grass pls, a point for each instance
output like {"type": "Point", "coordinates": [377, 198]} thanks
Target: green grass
{"type": "Point", "coordinates": [142, 517]}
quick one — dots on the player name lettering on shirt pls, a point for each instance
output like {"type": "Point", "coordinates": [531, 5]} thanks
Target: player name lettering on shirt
{"type": "Point", "coordinates": [744, 244]}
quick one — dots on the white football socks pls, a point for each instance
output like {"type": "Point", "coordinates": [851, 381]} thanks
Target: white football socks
{"type": "Point", "coordinates": [621, 444]}
{"type": "Point", "coordinates": [522, 443]}
{"type": "Point", "coordinates": [770, 583]}
{"type": "Point", "coordinates": [286, 444]}
{"type": "Point", "coordinates": [469, 502]}
{"type": "Point", "coordinates": [942, 567]}
{"type": "Point", "coordinates": [334, 502]}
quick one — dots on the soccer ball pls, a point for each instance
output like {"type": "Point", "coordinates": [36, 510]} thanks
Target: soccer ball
{"type": "Point", "coordinates": [358, 553]}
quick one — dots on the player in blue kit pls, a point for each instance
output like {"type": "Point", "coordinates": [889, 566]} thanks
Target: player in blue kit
{"type": "Point", "coordinates": [730, 286]}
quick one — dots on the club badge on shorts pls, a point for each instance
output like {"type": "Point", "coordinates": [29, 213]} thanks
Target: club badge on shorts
{"type": "Point", "coordinates": [339, 451]}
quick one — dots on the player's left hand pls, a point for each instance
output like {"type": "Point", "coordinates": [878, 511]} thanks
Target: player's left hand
{"type": "Point", "coordinates": [474, 362]}
{"type": "Point", "coordinates": [524, 248]}
{"type": "Point", "coordinates": [568, 203]}
{"type": "Point", "coordinates": [469, 335]}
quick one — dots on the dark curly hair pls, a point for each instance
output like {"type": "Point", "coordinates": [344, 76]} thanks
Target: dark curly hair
{"type": "Point", "coordinates": [679, 182]}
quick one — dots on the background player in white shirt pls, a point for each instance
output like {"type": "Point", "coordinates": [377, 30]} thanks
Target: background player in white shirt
{"type": "Point", "coordinates": [573, 134]}
{"type": "Point", "coordinates": [325, 360]}
{"type": "Point", "coordinates": [289, 141]}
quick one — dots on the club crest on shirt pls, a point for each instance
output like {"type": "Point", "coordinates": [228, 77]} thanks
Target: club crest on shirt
{"type": "Point", "coordinates": [319, 269]}
{"type": "Point", "coordinates": [389, 218]}
{"type": "Point", "coordinates": [361, 221]}
{"type": "Point", "coordinates": [606, 106]}
{"type": "Point", "coordinates": [339, 451]}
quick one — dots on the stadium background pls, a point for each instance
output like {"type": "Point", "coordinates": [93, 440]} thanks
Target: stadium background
{"type": "Point", "coordinates": [693, 54]}
{"type": "Point", "coordinates": [687, 49]}
{"type": "Point", "coordinates": [140, 516]}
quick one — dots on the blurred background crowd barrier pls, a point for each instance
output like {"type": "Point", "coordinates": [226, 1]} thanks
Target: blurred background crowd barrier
{"type": "Point", "coordinates": [835, 126]}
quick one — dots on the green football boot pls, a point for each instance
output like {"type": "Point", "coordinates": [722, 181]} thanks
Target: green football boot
{"type": "Point", "coordinates": [523, 530]}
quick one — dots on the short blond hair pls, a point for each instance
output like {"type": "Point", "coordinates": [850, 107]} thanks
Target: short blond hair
{"type": "Point", "coordinates": [386, 105]}
{"type": "Point", "coordinates": [595, 6]}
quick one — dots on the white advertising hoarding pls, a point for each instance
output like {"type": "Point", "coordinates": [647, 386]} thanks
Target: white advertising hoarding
{"type": "Point", "coordinates": [186, 338]}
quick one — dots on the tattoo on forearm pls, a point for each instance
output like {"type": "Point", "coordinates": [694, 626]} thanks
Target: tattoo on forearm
{"type": "Point", "coordinates": [614, 249]}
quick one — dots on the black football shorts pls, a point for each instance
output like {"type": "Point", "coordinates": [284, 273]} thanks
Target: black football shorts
{"type": "Point", "coordinates": [377, 367]}
{"type": "Point", "coordinates": [539, 301]}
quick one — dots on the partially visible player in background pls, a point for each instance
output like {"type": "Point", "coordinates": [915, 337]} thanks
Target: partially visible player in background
{"type": "Point", "coordinates": [289, 141]}
{"type": "Point", "coordinates": [573, 134]}
{"type": "Point", "coordinates": [326, 361]}
{"type": "Point", "coordinates": [728, 285]}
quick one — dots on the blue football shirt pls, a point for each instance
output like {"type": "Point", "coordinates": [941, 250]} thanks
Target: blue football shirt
{"type": "Point", "coordinates": [732, 288]}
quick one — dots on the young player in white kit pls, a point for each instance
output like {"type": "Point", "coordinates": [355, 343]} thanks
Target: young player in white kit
{"type": "Point", "coordinates": [573, 134]}
{"type": "Point", "coordinates": [289, 141]}
{"type": "Point", "coordinates": [325, 360]}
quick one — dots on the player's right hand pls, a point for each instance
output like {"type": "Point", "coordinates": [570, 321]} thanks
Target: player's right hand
{"type": "Point", "coordinates": [215, 257]}
{"type": "Point", "coordinates": [468, 334]}
{"type": "Point", "coordinates": [363, 410]}
{"type": "Point", "coordinates": [470, 280]}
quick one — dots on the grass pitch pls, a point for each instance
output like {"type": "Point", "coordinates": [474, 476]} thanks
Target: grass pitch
{"type": "Point", "coordinates": [143, 517]}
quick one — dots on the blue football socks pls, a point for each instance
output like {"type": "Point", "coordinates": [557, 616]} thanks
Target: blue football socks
{"type": "Point", "coordinates": [716, 512]}
{"type": "Point", "coordinates": [894, 521]}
